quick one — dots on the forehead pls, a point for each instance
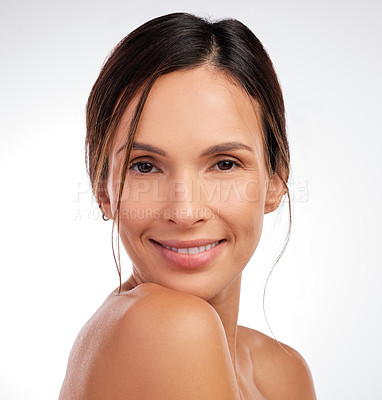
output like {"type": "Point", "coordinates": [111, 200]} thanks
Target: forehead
{"type": "Point", "coordinates": [202, 106]}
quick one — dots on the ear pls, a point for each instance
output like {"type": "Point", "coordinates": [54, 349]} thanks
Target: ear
{"type": "Point", "coordinates": [275, 193]}
{"type": "Point", "coordinates": [104, 200]}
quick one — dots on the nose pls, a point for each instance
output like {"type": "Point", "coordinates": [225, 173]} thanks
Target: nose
{"type": "Point", "coordinates": [186, 206]}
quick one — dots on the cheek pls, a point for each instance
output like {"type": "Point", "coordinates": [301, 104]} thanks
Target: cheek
{"type": "Point", "coordinates": [246, 197]}
{"type": "Point", "coordinates": [137, 211]}
{"type": "Point", "coordinates": [135, 220]}
{"type": "Point", "coordinates": [138, 206]}
{"type": "Point", "coordinates": [242, 206]}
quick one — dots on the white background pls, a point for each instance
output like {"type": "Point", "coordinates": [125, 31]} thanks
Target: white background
{"type": "Point", "coordinates": [323, 298]}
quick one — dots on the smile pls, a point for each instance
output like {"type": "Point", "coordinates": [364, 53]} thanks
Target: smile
{"type": "Point", "coordinates": [192, 250]}
{"type": "Point", "coordinates": [189, 254]}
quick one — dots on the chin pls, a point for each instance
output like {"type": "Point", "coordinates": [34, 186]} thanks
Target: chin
{"type": "Point", "coordinates": [205, 286]}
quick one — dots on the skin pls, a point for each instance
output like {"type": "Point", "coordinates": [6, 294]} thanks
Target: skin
{"type": "Point", "coordinates": [184, 195]}
{"type": "Point", "coordinates": [201, 108]}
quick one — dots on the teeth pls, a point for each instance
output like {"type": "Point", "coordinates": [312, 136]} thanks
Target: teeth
{"type": "Point", "coordinates": [193, 250]}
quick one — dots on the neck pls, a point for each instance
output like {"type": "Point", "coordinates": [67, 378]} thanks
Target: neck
{"type": "Point", "coordinates": [226, 304]}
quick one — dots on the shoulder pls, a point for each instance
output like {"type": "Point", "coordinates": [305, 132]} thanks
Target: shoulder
{"type": "Point", "coordinates": [280, 372]}
{"type": "Point", "coordinates": [155, 304]}
{"type": "Point", "coordinates": [170, 313]}
{"type": "Point", "coordinates": [167, 345]}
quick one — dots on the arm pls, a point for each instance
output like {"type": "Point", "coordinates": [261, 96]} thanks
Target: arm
{"type": "Point", "coordinates": [168, 346]}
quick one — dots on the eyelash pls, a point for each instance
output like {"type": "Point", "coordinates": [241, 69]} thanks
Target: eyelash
{"type": "Point", "coordinates": [140, 162]}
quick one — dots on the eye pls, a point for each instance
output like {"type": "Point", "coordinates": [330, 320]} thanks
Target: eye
{"type": "Point", "coordinates": [226, 165]}
{"type": "Point", "coordinates": [143, 167]}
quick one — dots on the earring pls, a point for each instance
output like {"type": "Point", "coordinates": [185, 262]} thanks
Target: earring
{"type": "Point", "coordinates": [103, 215]}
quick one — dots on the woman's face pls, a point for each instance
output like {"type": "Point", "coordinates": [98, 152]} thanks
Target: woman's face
{"type": "Point", "coordinates": [196, 183]}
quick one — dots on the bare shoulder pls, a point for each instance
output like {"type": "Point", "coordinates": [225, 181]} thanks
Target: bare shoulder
{"type": "Point", "coordinates": [160, 344]}
{"type": "Point", "coordinates": [166, 309]}
{"type": "Point", "coordinates": [280, 372]}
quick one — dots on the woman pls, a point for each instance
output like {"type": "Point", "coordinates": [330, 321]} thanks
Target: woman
{"type": "Point", "coordinates": [186, 151]}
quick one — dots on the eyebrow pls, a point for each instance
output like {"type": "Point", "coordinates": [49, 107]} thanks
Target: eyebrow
{"type": "Point", "coordinates": [229, 146]}
{"type": "Point", "coordinates": [219, 148]}
{"type": "Point", "coordinates": [145, 147]}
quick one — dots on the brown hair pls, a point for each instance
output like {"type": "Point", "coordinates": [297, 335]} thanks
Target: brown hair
{"type": "Point", "coordinates": [174, 42]}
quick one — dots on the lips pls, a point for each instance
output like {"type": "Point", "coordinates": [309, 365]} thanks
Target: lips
{"type": "Point", "coordinates": [191, 246]}
{"type": "Point", "coordinates": [181, 244]}
{"type": "Point", "coordinates": [189, 253]}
